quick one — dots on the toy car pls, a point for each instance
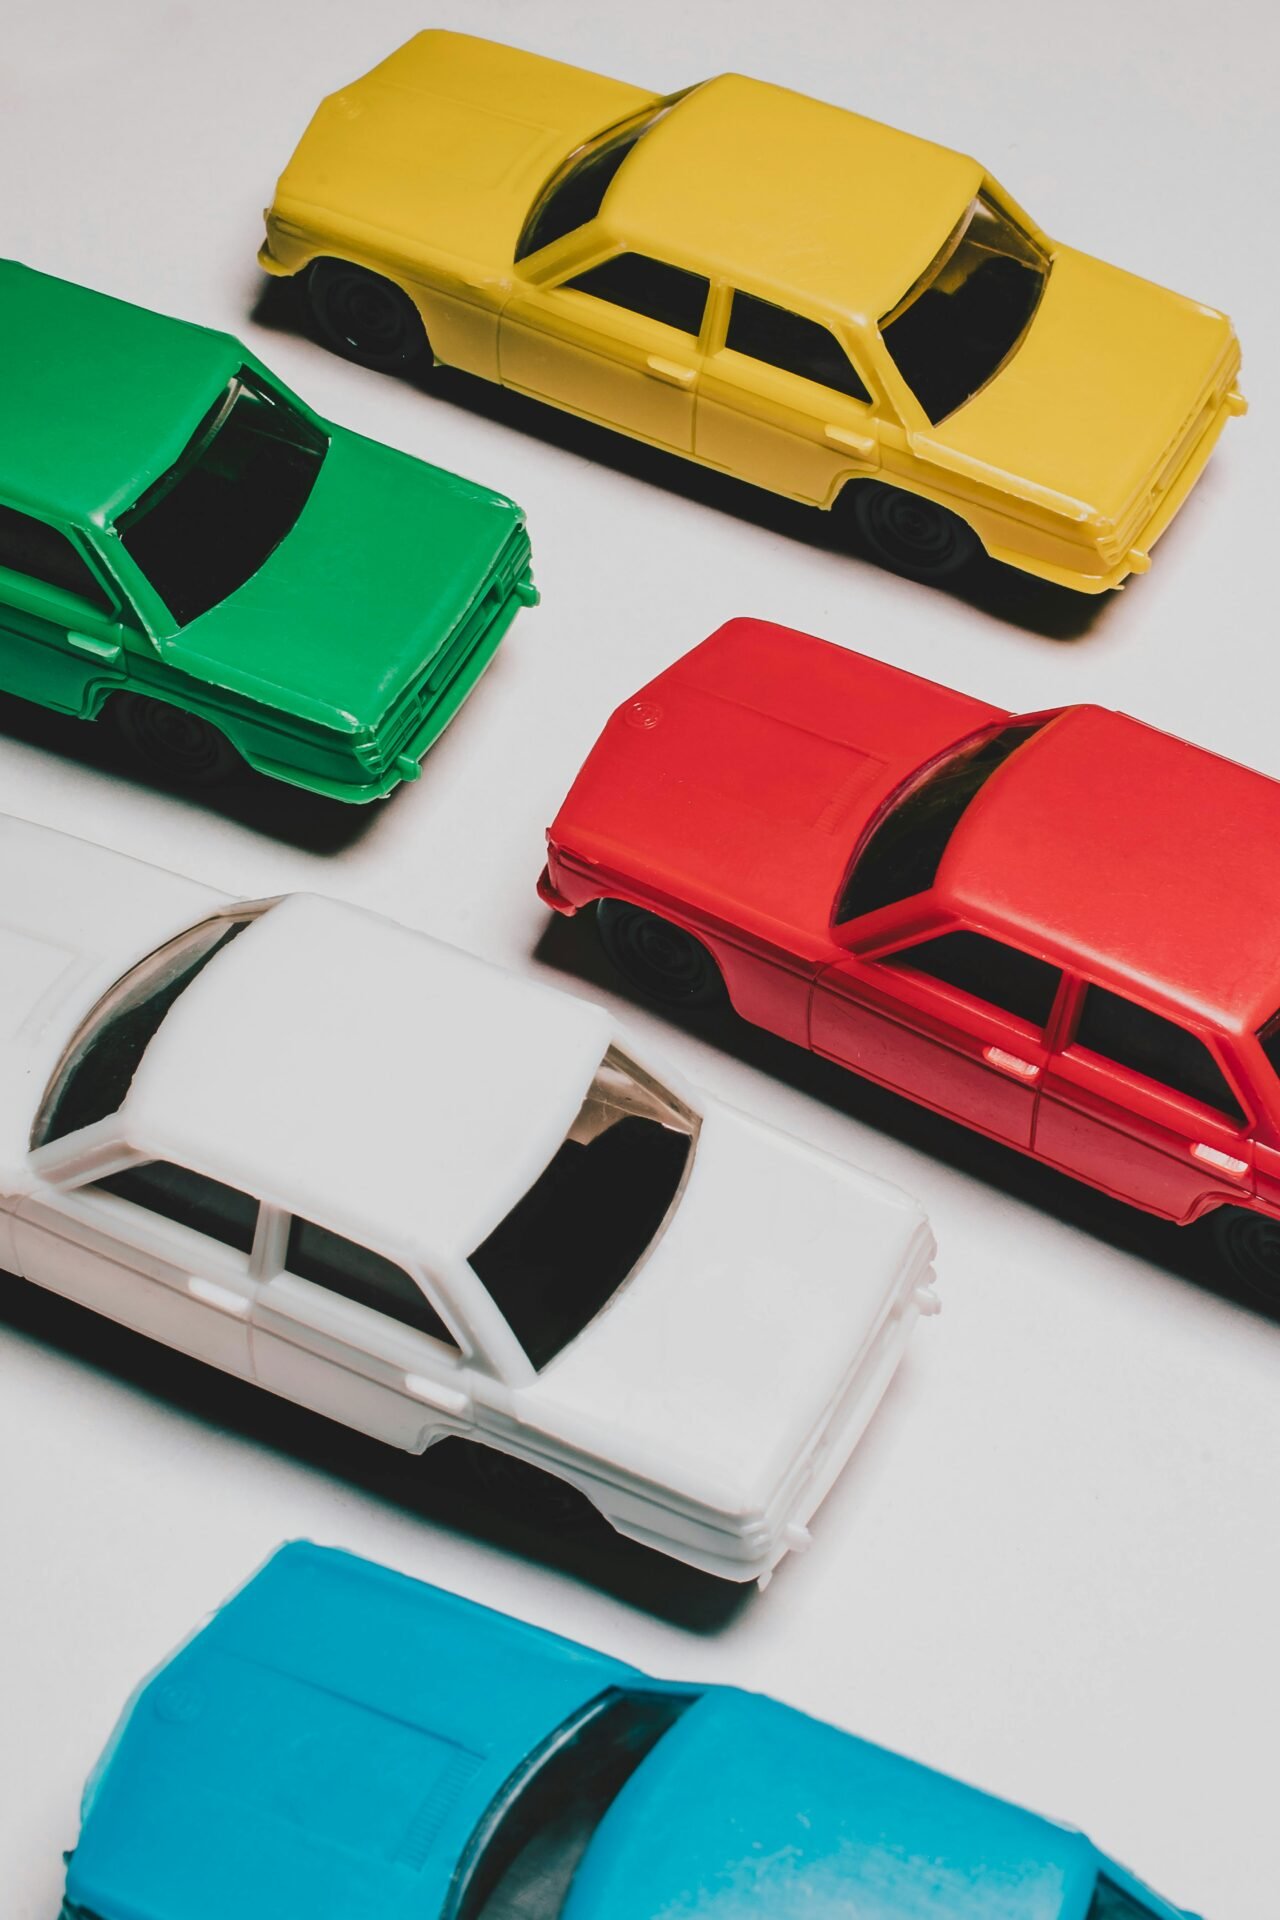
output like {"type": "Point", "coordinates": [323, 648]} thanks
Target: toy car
{"type": "Point", "coordinates": [426, 1198]}
{"type": "Point", "coordinates": [1061, 929]}
{"type": "Point", "coordinates": [341, 1741]}
{"type": "Point", "coordinates": [187, 548]}
{"type": "Point", "coordinates": [801, 297]}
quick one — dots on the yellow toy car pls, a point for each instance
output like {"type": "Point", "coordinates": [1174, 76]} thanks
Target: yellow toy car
{"type": "Point", "coordinates": [781, 289]}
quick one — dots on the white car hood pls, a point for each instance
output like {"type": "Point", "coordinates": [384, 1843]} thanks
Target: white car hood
{"type": "Point", "coordinates": [712, 1370]}
{"type": "Point", "coordinates": [74, 918]}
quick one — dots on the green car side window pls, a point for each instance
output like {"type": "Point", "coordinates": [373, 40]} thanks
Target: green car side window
{"type": "Point", "coordinates": [40, 552]}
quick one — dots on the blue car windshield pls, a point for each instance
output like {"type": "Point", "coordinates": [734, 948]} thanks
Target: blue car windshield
{"type": "Point", "coordinates": [210, 522]}
{"type": "Point", "coordinates": [523, 1856]}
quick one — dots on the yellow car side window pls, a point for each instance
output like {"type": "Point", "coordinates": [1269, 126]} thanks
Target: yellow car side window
{"type": "Point", "coordinates": [661, 292]}
{"type": "Point", "coordinates": [794, 344]}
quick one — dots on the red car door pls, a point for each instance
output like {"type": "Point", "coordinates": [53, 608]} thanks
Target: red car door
{"type": "Point", "coordinates": [1143, 1107]}
{"type": "Point", "coordinates": [957, 1021]}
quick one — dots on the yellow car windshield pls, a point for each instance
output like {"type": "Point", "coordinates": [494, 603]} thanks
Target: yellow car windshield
{"type": "Point", "coordinates": [958, 325]}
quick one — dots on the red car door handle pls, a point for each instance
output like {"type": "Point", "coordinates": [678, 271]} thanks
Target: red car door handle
{"type": "Point", "coordinates": [1009, 1063]}
{"type": "Point", "coordinates": [1220, 1162]}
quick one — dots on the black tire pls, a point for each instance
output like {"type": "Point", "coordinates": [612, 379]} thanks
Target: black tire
{"type": "Point", "coordinates": [911, 535]}
{"type": "Point", "coordinates": [662, 960]}
{"type": "Point", "coordinates": [364, 317]}
{"type": "Point", "coordinates": [527, 1493]}
{"type": "Point", "coordinates": [1248, 1245]}
{"type": "Point", "coordinates": [176, 745]}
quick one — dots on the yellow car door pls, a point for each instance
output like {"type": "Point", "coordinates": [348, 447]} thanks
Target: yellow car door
{"type": "Point", "coordinates": [782, 404]}
{"type": "Point", "coordinates": [617, 342]}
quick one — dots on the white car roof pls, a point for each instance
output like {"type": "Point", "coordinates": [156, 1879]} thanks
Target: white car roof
{"type": "Point", "coordinates": [375, 1080]}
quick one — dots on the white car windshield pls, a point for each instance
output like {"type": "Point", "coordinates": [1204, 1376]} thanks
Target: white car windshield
{"type": "Point", "coordinates": [592, 1215]}
{"type": "Point", "coordinates": [97, 1068]}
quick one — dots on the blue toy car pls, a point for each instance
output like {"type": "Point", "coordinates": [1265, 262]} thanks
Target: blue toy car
{"type": "Point", "coordinates": [343, 1743]}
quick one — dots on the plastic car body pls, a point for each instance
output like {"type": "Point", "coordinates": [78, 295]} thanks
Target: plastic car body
{"type": "Point", "coordinates": [1061, 929]}
{"type": "Point", "coordinates": [768, 285]}
{"type": "Point", "coordinates": [183, 539]}
{"type": "Point", "coordinates": [427, 1198]}
{"type": "Point", "coordinates": [341, 1742]}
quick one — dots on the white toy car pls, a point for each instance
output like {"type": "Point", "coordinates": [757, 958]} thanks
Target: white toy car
{"type": "Point", "coordinates": [398, 1185]}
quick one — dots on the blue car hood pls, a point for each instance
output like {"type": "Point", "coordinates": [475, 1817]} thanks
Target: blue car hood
{"type": "Point", "coordinates": [759, 1811]}
{"type": "Point", "coordinates": [325, 1747]}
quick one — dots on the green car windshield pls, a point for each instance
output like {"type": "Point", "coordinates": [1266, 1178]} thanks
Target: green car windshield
{"type": "Point", "coordinates": [209, 523]}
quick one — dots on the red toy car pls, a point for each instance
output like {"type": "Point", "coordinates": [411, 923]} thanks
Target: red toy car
{"type": "Point", "coordinates": [1062, 929]}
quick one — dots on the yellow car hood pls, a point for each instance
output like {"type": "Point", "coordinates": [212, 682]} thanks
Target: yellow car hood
{"type": "Point", "coordinates": [445, 145]}
{"type": "Point", "coordinates": [1099, 398]}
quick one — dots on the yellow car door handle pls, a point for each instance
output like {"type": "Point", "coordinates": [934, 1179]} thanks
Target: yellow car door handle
{"type": "Point", "coordinates": [863, 444]}
{"type": "Point", "coordinates": [669, 370]}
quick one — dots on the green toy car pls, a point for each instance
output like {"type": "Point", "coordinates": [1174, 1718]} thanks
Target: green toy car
{"type": "Point", "coordinates": [188, 549]}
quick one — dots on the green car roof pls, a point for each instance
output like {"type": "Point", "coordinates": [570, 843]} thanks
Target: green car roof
{"type": "Point", "coordinates": [98, 397]}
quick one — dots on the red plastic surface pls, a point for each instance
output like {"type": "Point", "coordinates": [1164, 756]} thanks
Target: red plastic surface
{"type": "Point", "coordinates": [731, 795]}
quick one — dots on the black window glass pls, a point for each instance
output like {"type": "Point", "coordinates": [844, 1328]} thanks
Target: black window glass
{"type": "Point", "coordinates": [967, 313]}
{"type": "Point", "coordinates": [365, 1277]}
{"type": "Point", "coordinates": [1111, 1902]}
{"type": "Point", "coordinates": [1270, 1042]}
{"type": "Point", "coordinates": [207, 525]}
{"type": "Point", "coordinates": [1146, 1042]}
{"type": "Point", "coordinates": [651, 287]}
{"type": "Point", "coordinates": [42, 553]}
{"type": "Point", "coordinates": [98, 1071]}
{"type": "Point", "coordinates": [1002, 976]}
{"type": "Point", "coordinates": [206, 1206]}
{"type": "Point", "coordinates": [789, 341]}
{"type": "Point", "coordinates": [521, 1861]}
{"type": "Point", "coordinates": [905, 850]}
{"type": "Point", "coordinates": [577, 196]}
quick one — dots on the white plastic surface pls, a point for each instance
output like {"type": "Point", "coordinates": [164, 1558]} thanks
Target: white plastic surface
{"type": "Point", "coordinates": [1052, 1567]}
{"type": "Point", "coordinates": [691, 1410]}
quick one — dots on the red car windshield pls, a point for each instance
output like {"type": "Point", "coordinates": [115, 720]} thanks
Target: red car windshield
{"type": "Point", "coordinates": [906, 845]}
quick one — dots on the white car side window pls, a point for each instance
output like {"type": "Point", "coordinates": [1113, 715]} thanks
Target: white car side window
{"type": "Point", "coordinates": [329, 1260]}
{"type": "Point", "coordinates": [190, 1199]}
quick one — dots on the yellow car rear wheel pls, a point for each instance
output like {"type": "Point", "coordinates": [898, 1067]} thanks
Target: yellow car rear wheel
{"type": "Point", "coordinates": [363, 316]}
{"type": "Point", "coordinates": [910, 534]}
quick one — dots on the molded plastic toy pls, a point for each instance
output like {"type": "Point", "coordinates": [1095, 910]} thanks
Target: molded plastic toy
{"type": "Point", "coordinates": [1062, 929]}
{"type": "Point", "coordinates": [767, 285]}
{"type": "Point", "coordinates": [186, 546]}
{"type": "Point", "coordinates": [342, 1743]}
{"type": "Point", "coordinates": [425, 1197]}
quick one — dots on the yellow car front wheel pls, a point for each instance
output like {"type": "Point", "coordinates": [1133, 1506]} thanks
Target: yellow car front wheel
{"type": "Point", "coordinates": [909, 534]}
{"type": "Point", "coordinates": [364, 317]}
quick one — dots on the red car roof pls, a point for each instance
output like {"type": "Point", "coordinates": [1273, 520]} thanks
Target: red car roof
{"type": "Point", "coordinates": [741, 778]}
{"type": "Point", "coordinates": [1150, 862]}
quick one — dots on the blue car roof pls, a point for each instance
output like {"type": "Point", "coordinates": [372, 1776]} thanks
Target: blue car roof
{"type": "Point", "coordinates": [327, 1745]}
{"type": "Point", "coordinates": [323, 1748]}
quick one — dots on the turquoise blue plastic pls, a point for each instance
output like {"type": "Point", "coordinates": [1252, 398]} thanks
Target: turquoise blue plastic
{"type": "Point", "coordinates": [324, 1748]}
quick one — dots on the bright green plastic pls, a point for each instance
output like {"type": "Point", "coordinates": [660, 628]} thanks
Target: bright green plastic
{"type": "Point", "coordinates": [333, 665]}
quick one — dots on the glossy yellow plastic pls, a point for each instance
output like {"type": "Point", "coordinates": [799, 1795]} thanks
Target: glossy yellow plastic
{"type": "Point", "coordinates": [1068, 462]}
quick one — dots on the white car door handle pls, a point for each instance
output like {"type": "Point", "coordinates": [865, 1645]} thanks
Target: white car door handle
{"type": "Point", "coordinates": [1220, 1162]}
{"type": "Point", "coordinates": [669, 370]}
{"type": "Point", "coordinates": [222, 1299]}
{"type": "Point", "coordinates": [434, 1393]}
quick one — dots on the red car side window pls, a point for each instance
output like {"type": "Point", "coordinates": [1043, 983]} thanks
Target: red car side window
{"type": "Point", "coordinates": [1134, 1037]}
{"type": "Point", "coordinates": [1002, 976]}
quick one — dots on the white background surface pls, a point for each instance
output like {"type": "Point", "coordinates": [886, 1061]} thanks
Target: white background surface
{"type": "Point", "coordinates": [1053, 1566]}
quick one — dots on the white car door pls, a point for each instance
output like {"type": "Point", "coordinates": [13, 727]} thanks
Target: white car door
{"type": "Point", "coordinates": [163, 1250]}
{"type": "Point", "coordinates": [340, 1328]}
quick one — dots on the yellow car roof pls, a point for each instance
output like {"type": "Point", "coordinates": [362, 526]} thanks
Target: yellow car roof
{"type": "Point", "coordinates": [771, 189]}
{"type": "Point", "coordinates": [446, 144]}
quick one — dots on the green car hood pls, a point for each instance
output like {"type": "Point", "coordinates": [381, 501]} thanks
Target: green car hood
{"type": "Point", "coordinates": [360, 596]}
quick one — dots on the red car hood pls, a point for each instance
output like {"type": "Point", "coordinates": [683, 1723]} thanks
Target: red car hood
{"type": "Point", "coordinates": [740, 780]}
